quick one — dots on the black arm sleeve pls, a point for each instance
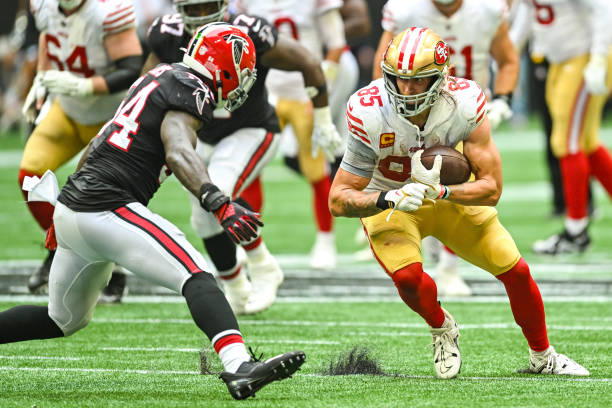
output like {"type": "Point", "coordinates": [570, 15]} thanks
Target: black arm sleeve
{"type": "Point", "coordinates": [126, 71]}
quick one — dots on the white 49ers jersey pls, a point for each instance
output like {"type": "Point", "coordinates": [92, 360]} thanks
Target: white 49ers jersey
{"type": "Point", "coordinates": [297, 19]}
{"type": "Point", "coordinates": [468, 33]}
{"type": "Point", "coordinates": [563, 29]}
{"type": "Point", "coordinates": [372, 120]}
{"type": "Point", "coordinates": [76, 44]}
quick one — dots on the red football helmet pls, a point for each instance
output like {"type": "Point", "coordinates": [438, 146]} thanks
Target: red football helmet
{"type": "Point", "coordinates": [225, 55]}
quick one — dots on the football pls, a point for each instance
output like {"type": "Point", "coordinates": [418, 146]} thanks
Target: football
{"type": "Point", "coordinates": [455, 166]}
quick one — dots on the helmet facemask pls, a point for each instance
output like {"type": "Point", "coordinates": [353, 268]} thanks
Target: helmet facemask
{"type": "Point", "coordinates": [196, 13]}
{"type": "Point", "coordinates": [237, 96]}
{"type": "Point", "coordinates": [411, 105]}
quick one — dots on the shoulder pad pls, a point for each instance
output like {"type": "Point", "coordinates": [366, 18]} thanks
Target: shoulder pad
{"type": "Point", "coordinates": [471, 99]}
{"type": "Point", "coordinates": [263, 34]}
{"type": "Point", "coordinates": [117, 15]}
{"type": "Point", "coordinates": [363, 122]}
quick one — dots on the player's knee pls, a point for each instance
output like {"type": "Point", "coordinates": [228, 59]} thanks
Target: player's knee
{"type": "Point", "coordinates": [198, 285]}
{"type": "Point", "coordinates": [518, 272]}
{"type": "Point", "coordinates": [74, 325]}
{"type": "Point", "coordinates": [409, 277]}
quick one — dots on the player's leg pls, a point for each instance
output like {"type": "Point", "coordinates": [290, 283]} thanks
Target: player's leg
{"type": "Point", "coordinates": [396, 244]}
{"type": "Point", "coordinates": [78, 274]}
{"type": "Point", "coordinates": [160, 252]}
{"type": "Point", "coordinates": [299, 116]}
{"type": "Point", "coordinates": [568, 102]}
{"type": "Point", "coordinates": [476, 235]}
{"type": "Point", "coordinates": [52, 143]}
{"type": "Point", "coordinates": [235, 163]}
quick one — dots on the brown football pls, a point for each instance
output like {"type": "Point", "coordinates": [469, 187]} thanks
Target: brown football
{"type": "Point", "coordinates": [455, 166]}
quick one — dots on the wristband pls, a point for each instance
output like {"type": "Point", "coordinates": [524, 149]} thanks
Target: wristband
{"type": "Point", "coordinates": [506, 97]}
{"type": "Point", "coordinates": [382, 203]}
{"type": "Point", "coordinates": [211, 198]}
{"type": "Point", "coordinates": [444, 192]}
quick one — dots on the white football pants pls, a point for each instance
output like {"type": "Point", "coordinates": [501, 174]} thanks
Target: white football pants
{"type": "Point", "coordinates": [232, 165]}
{"type": "Point", "coordinates": [90, 243]}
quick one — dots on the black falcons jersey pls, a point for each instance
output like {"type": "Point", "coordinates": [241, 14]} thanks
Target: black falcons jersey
{"type": "Point", "coordinates": [127, 159]}
{"type": "Point", "coordinates": [167, 36]}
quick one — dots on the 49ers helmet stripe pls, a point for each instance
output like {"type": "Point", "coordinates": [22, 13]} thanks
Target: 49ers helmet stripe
{"type": "Point", "coordinates": [418, 41]}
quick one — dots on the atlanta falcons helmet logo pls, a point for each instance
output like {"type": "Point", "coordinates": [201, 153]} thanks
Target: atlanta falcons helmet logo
{"type": "Point", "coordinates": [240, 46]}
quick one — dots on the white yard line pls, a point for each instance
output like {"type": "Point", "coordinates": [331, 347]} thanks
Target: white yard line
{"type": "Point", "coordinates": [41, 358]}
{"type": "Point", "coordinates": [406, 376]}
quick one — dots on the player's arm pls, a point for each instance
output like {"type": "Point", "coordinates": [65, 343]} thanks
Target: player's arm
{"type": "Point", "coordinates": [123, 48]}
{"type": "Point", "coordinates": [356, 19]}
{"type": "Point", "coordinates": [179, 135]}
{"type": "Point", "coordinates": [504, 53]}
{"type": "Point", "coordinates": [385, 38]}
{"type": "Point", "coordinates": [290, 55]}
{"type": "Point", "coordinates": [346, 198]}
{"type": "Point", "coordinates": [486, 165]}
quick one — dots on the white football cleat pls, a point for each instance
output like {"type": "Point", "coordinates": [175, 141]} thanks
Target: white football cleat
{"type": "Point", "coordinates": [237, 292]}
{"type": "Point", "coordinates": [449, 282]}
{"type": "Point", "coordinates": [323, 254]}
{"type": "Point", "coordinates": [266, 276]}
{"type": "Point", "coordinates": [447, 358]}
{"type": "Point", "coordinates": [551, 362]}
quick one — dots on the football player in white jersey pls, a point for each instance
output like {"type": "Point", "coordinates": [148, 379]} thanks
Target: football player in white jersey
{"type": "Point", "coordinates": [474, 30]}
{"type": "Point", "coordinates": [315, 24]}
{"type": "Point", "coordinates": [382, 181]}
{"type": "Point", "coordinates": [88, 55]}
{"type": "Point", "coordinates": [576, 38]}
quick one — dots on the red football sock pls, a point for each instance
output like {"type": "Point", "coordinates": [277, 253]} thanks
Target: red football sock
{"type": "Point", "coordinates": [526, 303]}
{"type": "Point", "coordinates": [419, 292]}
{"type": "Point", "coordinates": [253, 195]}
{"type": "Point", "coordinates": [601, 167]}
{"type": "Point", "coordinates": [575, 173]}
{"type": "Point", "coordinates": [41, 211]}
{"type": "Point", "coordinates": [321, 207]}
{"type": "Point", "coordinates": [252, 245]}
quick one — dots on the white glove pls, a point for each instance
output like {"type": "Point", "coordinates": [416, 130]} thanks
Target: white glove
{"type": "Point", "coordinates": [330, 70]}
{"type": "Point", "coordinates": [595, 75]}
{"type": "Point", "coordinates": [408, 198]}
{"type": "Point", "coordinates": [37, 93]}
{"type": "Point", "coordinates": [66, 83]}
{"type": "Point", "coordinates": [324, 134]}
{"type": "Point", "coordinates": [498, 111]}
{"type": "Point", "coordinates": [429, 178]}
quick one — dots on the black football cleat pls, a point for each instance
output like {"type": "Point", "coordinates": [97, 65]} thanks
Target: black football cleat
{"type": "Point", "coordinates": [115, 290]}
{"type": "Point", "coordinates": [39, 280]}
{"type": "Point", "coordinates": [563, 243]}
{"type": "Point", "coordinates": [254, 375]}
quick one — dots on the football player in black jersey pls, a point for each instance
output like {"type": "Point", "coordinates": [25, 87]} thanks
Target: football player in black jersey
{"type": "Point", "coordinates": [101, 216]}
{"type": "Point", "coordinates": [236, 147]}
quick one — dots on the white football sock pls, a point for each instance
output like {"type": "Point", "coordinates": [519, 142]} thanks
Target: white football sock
{"type": "Point", "coordinates": [233, 355]}
{"type": "Point", "coordinates": [576, 226]}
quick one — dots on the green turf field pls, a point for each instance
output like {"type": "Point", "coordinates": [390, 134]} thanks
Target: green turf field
{"type": "Point", "coordinates": [147, 355]}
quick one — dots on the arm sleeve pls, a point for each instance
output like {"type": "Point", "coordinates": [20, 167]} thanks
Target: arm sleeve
{"type": "Point", "coordinates": [358, 159]}
{"type": "Point", "coordinates": [332, 29]}
{"type": "Point", "coordinates": [126, 71]}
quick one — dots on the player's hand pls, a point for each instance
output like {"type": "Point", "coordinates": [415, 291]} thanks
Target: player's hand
{"type": "Point", "coordinates": [498, 111]}
{"type": "Point", "coordinates": [595, 75]}
{"type": "Point", "coordinates": [66, 83]}
{"type": "Point", "coordinates": [240, 223]}
{"type": "Point", "coordinates": [421, 175]}
{"type": "Point", "coordinates": [408, 198]}
{"type": "Point", "coordinates": [324, 134]}
{"type": "Point", "coordinates": [35, 99]}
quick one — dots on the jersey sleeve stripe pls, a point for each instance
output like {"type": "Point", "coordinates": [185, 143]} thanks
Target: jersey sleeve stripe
{"type": "Point", "coordinates": [114, 13]}
{"type": "Point", "coordinates": [480, 117]}
{"type": "Point", "coordinates": [354, 118]}
{"type": "Point", "coordinates": [120, 27]}
{"type": "Point", "coordinates": [481, 106]}
{"type": "Point", "coordinates": [480, 96]}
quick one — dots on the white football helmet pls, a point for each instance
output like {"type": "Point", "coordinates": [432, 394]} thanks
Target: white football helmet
{"type": "Point", "coordinates": [415, 53]}
{"type": "Point", "coordinates": [70, 4]}
{"type": "Point", "coordinates": [196, 13]}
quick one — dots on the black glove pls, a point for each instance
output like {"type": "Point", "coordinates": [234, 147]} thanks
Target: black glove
{"type": "Point", "coordinates": [240, 223]}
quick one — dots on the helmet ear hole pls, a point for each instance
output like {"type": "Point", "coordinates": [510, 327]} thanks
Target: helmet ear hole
{"type": "Point", "coordinates": [226, 74]}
